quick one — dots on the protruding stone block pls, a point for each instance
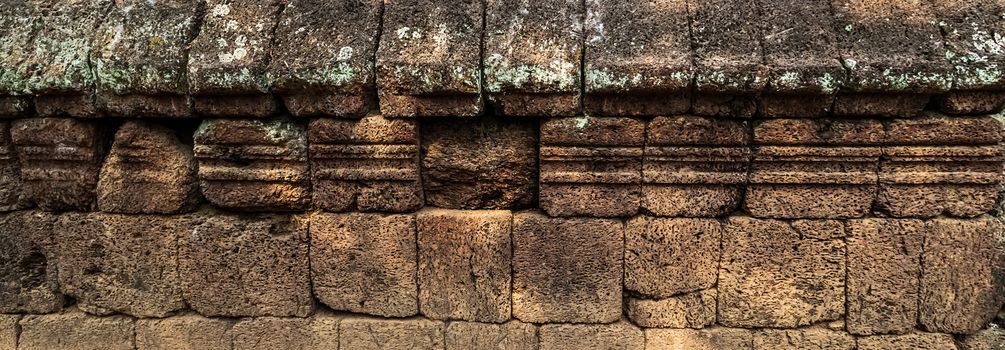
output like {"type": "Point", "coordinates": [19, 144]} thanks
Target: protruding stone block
{"type": "Point", "coordinates": [19, 22]}
{"type": "Point", "coordinates": [60, 161]}
{"type": "Point", "coordinates": [483, 163]}
{"type": "Point", "coordinates": [669, 256]}
{"type": "Point", "coordinates": [781, 274]}
{"type": "Point", "coordinates": [552, 281]}
{"type": "Point", "coordinates": [266, 333]}
{"type": "Point", "coordinates": [370, 164]}
{"type": "Point", "coordinates": [969, 28]}
{"type": "Point", "coordinates": [390, 334]}
{"type": "Point", "coordinates": [716, 338]}
{"type": "Point", "coordinates": [429, 58]}
{"type": "Point", "coordinates": [253, 165]}
{"type": "Point", "coordinates": [323, 57]}
{"type": "Point", "coordinates": [236, 266]}
{"type": "Point", "coordinates": [189, 331]}
{"type": "Point", "coordinates": [12, 195]}
{"type": "Point", "coordinates": [919, 340]}
{"type": "Point", "coordinates": [803, 338]}
{"type": "Point", "coordinates": [726, 38]}
{"type": "Point", "coordinates": [884, 265]}
{"type": "Point", "coordinates": [74, 330]}
{"type": "Point", "coordinates": [513, 335]}
{"type": "Point", "coordinates": [29, 282]}
{"type": "Point", "coordinates": [689, 310]}
{"type": "Point", "coordinates": [694, 166]}
{"type": "Point", "coordinates": [814, 168]}
{"type": "Point", "coordinates": [638, 58]}
{"type": "Point", "coordinates": [365, 263]}
{"type": "Point", "coordinates": [620, 336]}
{"type": "Point", "coordinates": [591, 166]}
{"type": "Point", "coordinates": [140, 55]}
{"type": "Point", "coordinates": [148, 171]}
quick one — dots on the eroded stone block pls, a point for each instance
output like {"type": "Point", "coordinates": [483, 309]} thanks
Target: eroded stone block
{"type": "Point", "coordinates": [972, 102]}
{"type": "Point", "coordinates": [11, 193]}
{"type": "Point", "coordinates": [968, 28]}
{"type": "Point", "coordinates": [513, 335]}
{"type": "Point", "coordinates": [370, 164]}
{"type": "Point", "coordinates": [884, 267]}
{"type": "Point", "coordinates": [689, 310]}
{"type": "Point", "coordinates": [390, 334]}
{"type": "Point", "coordinates": [265, 333]}
{"type": "Point", "coordinates": [919, 340]}
{"type": "Point", "coordinates": [716, 338]}
{"type": "Point", "coordinates": [726, 38]}
{"type": "Point", "coordinates": [816, 338]}
{"type": "Point", "coordinates": [620, 336]}
{"type": "Point", "coordinates": [668, 256]}
{"type": "Point", "coordinates": [29, 282]}
{"type": "Point", "coordinates": [190, 331]}
{"type": "Point", "coordinates": [19, 22]}
{"type": "Point", "coordinates": [75, 330]}
{"type": "Point", "coordinates": [566, 270]}
{"type": "Point", "coordinates": [365, 263]}
{"type": "Point", "coordinates": [60, 161]}
{"type": "Point", "coordinates": [9, 331]}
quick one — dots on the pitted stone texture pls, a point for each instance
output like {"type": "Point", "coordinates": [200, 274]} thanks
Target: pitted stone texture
{"type": "Point", "coordinates": [781, 274]}
{"type": "Point", "coordinates": [615, 336]}
{"type": "Point", "coordinates": [390, 334]}
{"type": "Point", "coordinates": [11, 190]}
{"type": "Point", "coordinates": [369, 164]}
{"type": "Point", "coordinates": [961, 286]}
{"type": "Point", "coordinates": [9, 331]}
{"type": "Point", "coordinates": [879, 104]}
{"type": "Point", "coordinates": [60, 161]}
{"type": "Point", "coordinates": [992, 338]}
{"type": "Point", "coordinates": [638, 58]}
{"type": "Point", "coordinates": [464, 264]}
{"type": "Point", "coordinates": [253, 165]}
{"type": "Point", "coordinates": [715, 338]}
{"type": "Point", "coordinates": [690, 310]}
{"type": "Point", "coordinates": [972, 102]}
{"type": "Point", "coordinates": [15, 106]}
{"type": "Point", "coordinates": [365, 263]}
{"type": "Point", "coordinates": [566, 270]}
{"type": "Point", "coordinates": [323, 56]}
{"type": "Point", "coordinates": [884, 266]}
{"type": "Point", "coordinates": [484, 163]}
{"type": "Point", "coordinates": [189, 331]}
{"type": "Point", "coordinates": [29, 282]}
{"type": "Point", "coordinates": [20, 21]}
{"type": "Point", "coordinates": [919, 340]}
{"type": "Point", "coordinates": [591, 166]}
{"type": "Point", "coordinates": [727, 57]}
{"type": "Point", "coordinates": [140, 55]}
{"type": "Point", "coordinates": [532, 54]}
{"type": "Point", "coordinates": [815, 338]}
{"type": "Point", "coordinates": [266, 333]}
{"type": "Point", "coordinates": [235, 266]}
{"type": "Point", "coordinates": [148, 171]}
{"type": "Point", "coordinates": [668, 256]}
{"type": "Point", "coordinates": [429, 58]}
{"type": "Point", "coordinates": [513, 335]}
{"type": "Point", "coordinates": [969, 29]}
{"type": "Point", "coordinates": [74, 330]}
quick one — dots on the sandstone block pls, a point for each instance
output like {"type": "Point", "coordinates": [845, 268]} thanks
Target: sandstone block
{"type": "Point", "coordinates": [60, 161]}
{"type": "Point", "coordinates": [365, 263]}
{"type": "Point", "coordinates": [147, 171]}
{"type": "Point", "coordinates": [11, 193]}
{"type": "Point", "coordinates": [9, 331]}
{"type": "Point", "coordinates": [690, 310]}
{"type": "Point", "coordinates": [992, 338]}
{"type": "Point", "coordinates": [816, 338]}
{"type": "Point", "coordinates": [716, 338]}
{"type": "Point", "coordinates": [253, 165]}
{"type": "Point", "coordinates": [189, 331]}
{"type": "Point", "coordinates": [930, 341]}
{"type": "Point", "coordinates": [620, 336]}
{"type": "Point", "coordinates": [265, 333]}
{"type": "Point", "coordinates": [884, 265]}
{"type": "Point", "coordinates": [235, 266]}
{"type": "Point", "coordinates": [370, 164]}
{"type": "Point", "coordinates": [390, 334]}
{"type": "Point", "coordinates": [566, 270]}
{"type": "Point", "coordinates": [513, 335]}
{"type": "Point", "coordinates": [668, 256]}
{"type": "Point", "coordinates": [591, 166]}
{"type": "Point", "coordinates": [323, 57]}
{"type": "Point", "coordinates": [19, 22]}
{"type": "Point", "coordinates": [781, 274]}
{"type": "Point", "coordinates": [74, 330]}
{"type": "Point", "coordinates": [483, 163]}
{"type": "Point", "coordinates": [29, 282]}
{"type": "Point", "coordinates": [726, 38]}
{"type": "Point", "coordinates": [464, 264]}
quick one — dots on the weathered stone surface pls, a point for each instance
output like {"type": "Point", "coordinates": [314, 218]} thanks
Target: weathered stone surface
{"type": "Point", "coordinates": [253, 165]}
{"type": "Point", "coordinates": [14, 106]}
{"type": "Point", "coordinates": [963, 262]}
{"type": "Point", "coordinates": [566, 270]}
{"type": "Point", "coordinates": [591, 166]}
{"type": "Point", "coordinates": [781, 274]}
{"type": "Point", "coordinates": [28, 264]}
{"type": "Point", "coordinates": [483, 163]}
{"type": "Point", "coordinates": [992, 338]}
{"type": "Point", "coordinates": [690, 310]}
{"type": "Point", "coordinates": [669, 256]}
{"type": "Point", "coordinates": [323, 56]}
{"type": "Point", "coordinates": [816, 338]}
{"type": "Point", "coordinates": [716, 338]}
{"type": "Point", "coordinates": [919, 340]}
{"type": "Point", "coordinates": [266, 333]}
{"type": "Point", "coordinates": [11, 193]}
{"type": "Point", "coordinates": [429, 58]}
{"type": "Point", "coordinates": [971, 31]}
{"type": "Point", "coordinates": [189, 331]}
{"type": "Point", "coordinates": [140, 55]}
{"type": "Point", "coordinates": [972, 102]}
{"type": "Point", "coordinates": [390, 334]}
{"type": "Point", "coordinates": [694, 166]}
{"type": "Point", "coordinates": [369, 164]}
{"type": "Point", "coordinates": [726, 38]}
{"type": "Point", "coordinates": [615, 336]}
{"type": "Point", "coordinates": [884, 266]}
{"type": "Point", "coordinates": [121, 263]}
{"type": "Point", "coordinates": [74, 330]}
{"type": "Point", "coordinates": [9, 331]}
{"type": "Point", "coordinates": [60, 161]}
{"type": "Point", "coordinates": [365, 263]}
{"type": "Point", "coordinates": [531, 56]}
{"type": "Point", "coordinates": [148, 171]}
{"type": "Point", "coordinates": [236, 266]}
{"type": "Point", "coordinates": [20, 20]}
{"type": "Point", "coordinates": [638, 58]}
{"type": "Point", "coordinates": [464, 264]}
{"type": "Point", "coordinates": [513, 335]}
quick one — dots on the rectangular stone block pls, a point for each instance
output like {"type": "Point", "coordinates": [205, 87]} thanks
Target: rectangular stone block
{"type": "Point", "coordinates": [75, 330]}
{"type": "Point", "coordinates": [619, 336]}
{"type": "Point", "coordinates": [513, 335]}
{"type": "Point", "coordinates": [669, 256]}
{"type": "Point", "coordinates": [365, 263]}
{"type": "Point", "coordinates": [60, 161]}
{"type": "Point", "coordinates": [317, 332]}
{"type": "Point", "coordinates": [390, 334]}
{"type": "Point", "coordinates": [464, 264]}
{"type": "Point", "coordinates": [969, 28]}
{"type": "Point", "coordinates": [781, 273]}
{"type": "Point", "coordinates": [567, 269]}
{"type": "Point", "coordinates": [694, 166]}
{"type": "Point", "coordinates": [918, 340]}
{"type": "Point", "coordinates": [728, 60]}
{"type": "Point", "coordinates": [19, 22]}
{"type": "Point", "coordinates": [884, 265]}
{"type": "Point", "coordinates": [246, 266]}
{"type": "Point", "coordinates": [716, 338]}
{"type": "Point", "coordinates": [971, 102]}
{"type": "Point", "coordinates": [29, 280]}
{"type": "Point", "coordinates": [688, 310]}
{"type": "Point", "coordinates": [11, 193]}
{"type": "Point", "coordinates": [532, 56]}
{"type": "Point", "coordinates": [370, 164]}
{"type": "Point", "coordinates": [187, 332]}
{"type": "Point", "coordinates": [429, 58]}
{"type": "Point", "coordinates": [253, 165]}
{"type": "Point", "coordinates": [591, 166]}
{"type": "Point", "coordinates": [814, 338]}
{"type": "Point", "coordinates": [323, 57]}
{"type": "Point", "coordinates": [9, 331]}
{"type": "Point", "coordinates": [638, 58]}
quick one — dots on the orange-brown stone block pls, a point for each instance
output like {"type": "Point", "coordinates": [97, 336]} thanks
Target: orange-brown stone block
{"type": "Point", "coordinates": [917, 340]}
{"type": "Point", "coordinates": [688, 310]}
{"type": "Point", "coordinates": [513, 335]}
{"type": "Point", "coordinates": [319, 331]}
{"type": "Point", "coordinates": [29, 280]}
{"type": "Point", "coordinates": [390, 334]}
{"type": "Point", "coordinates": [190, 331]}
{"type": "Point", "coordinates": [619, 335]}
{"type": "Point", "coordinates": [75, 330]}
{"type": "Point", "coordinates": [884, 265]}
{"type": "Point", "coordinates": [716, 338]}
{"type": "Point", "coordinates": [803, 338]}
{"type": "Point", "coordinates": [668, 256]}
{"type": "Point", "coordinates": [60, 161]}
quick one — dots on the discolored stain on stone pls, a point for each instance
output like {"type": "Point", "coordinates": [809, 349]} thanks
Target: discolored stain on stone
{"type": "Point", "coordinates": [884, 269]}
{"type": "Point", "coordinates": [60, 161]}
{"type": "Point", "coordinates": [74, 330]}
{"type": "Point", "coordinates": [513, 335]}
{"type": "Point", "coordinates": [29, 282]}
{"type": "Point", "coordinates": [390, 334]}
{"type": "Point", "coordinates": [190, 331]}
{"type": "Point", "coordinates": [669, 256]}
